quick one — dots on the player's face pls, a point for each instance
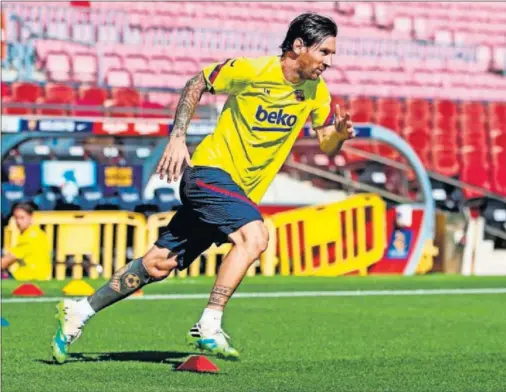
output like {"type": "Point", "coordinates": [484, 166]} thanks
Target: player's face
{"type": "Point", "coordinates": [22, 218]}
{"type": "Point", "coordinates": [313, 61]}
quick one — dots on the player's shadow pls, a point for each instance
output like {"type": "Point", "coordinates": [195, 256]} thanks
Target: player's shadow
{"type": "Point", "coordinates": [173, 358]}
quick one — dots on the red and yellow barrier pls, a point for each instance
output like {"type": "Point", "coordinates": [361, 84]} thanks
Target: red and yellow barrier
{"type": "Point", "coordinates": [331, 240]}
{"type": "Point", "coordinates": [327, 240]}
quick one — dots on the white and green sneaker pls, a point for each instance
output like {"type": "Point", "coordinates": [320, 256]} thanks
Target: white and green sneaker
{"type": "Point", "coordinates": [213, 342]}
{"type": "Point", "coordinates": [69, 329]}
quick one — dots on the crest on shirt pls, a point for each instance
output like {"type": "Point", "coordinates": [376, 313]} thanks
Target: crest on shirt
{"type": "Point", "coordinates": [299, 95]}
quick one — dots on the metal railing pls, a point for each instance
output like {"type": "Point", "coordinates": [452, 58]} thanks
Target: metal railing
{"type": "Point", "coordinates": [402, 166]}
{"type": "Point", "coordinates": [389, 195]}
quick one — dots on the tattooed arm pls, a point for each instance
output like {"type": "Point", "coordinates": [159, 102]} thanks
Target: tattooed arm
{"type": "Point", "coordinates": [176, 154]}
{"type": "Point", "coordinates": [188, 102]}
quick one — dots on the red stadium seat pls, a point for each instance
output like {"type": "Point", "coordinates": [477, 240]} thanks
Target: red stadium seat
{"type": "Point", "coordinates": [497, 114]}
{"type": "Point", "coordinates": [473, 110]}
{"type": "Point", "coordinates": [26, 92]}
{"type": "Point", "coordinates": [362, 109]}
{"type": "Point", "coordinates": [474, 156]}
{"type": "Point", "coordinates": [61, 92]}
{"type": "Point", "coordinates": [126, 97]}
{"type": "Point", "coordinates": [56, 94]}
{"type": "Point", "coordinates": [96, 94]}
{"type": "Point", "coordinates": [90, 96]}
{"type": "Point", "coordinates": [419, 140]}
{"type": "Point", "coordinates": [473, 128]}
{"type": "Point", "coordinates": [391, 122]}
{"type": "Point", "coordinates": [475, 175]}
{"type": "Point", "coordinates": [499, 140]}
{"type": "Point", "coordinates": [341, 101]}
{"type": "Point", "coordinates": [475, 141]}
{"type": "Point", "coordinates": [417, 111]}
{"type": "Point", "coordinates": [499, 179]}
{"type": "Point", "coordinates": [387, 151]}
{"type": "Point", "coordinates": [475, 138]}
{"type": "Point", "coordinates": [446, 124]}
{"type": "Point", "coordinates": [499, 156]}
{"type": "Point", "coordinates": [445, 161]}
{"type": "Point", "coordinates": [445, 108]}
{"type": "Point", "coordinates": [6, 90]}
{"type": "Point", "coordinates": [417, 128]}
{"type": "Point", "coordinates": [444, 139]}
{"type": "Point", "coordinates": [389, 107]}
{"type": "Point", "coordinates": [22, 93]}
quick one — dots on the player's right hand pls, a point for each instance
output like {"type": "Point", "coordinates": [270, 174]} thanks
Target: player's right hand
{"type": "Point", "coordinates": [174, 160]}
{"type": "Point", "coordinates": [344, 125]}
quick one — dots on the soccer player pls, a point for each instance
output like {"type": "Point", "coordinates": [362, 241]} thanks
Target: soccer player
{"type": "Point", "coordinates": [30, 258]}
{"type": "Point", "coordinates": [269, 100]}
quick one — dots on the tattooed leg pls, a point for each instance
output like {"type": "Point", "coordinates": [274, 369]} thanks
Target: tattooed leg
{"type": "Point", "coordinates": [124, 282]}
{"type": "Point", "coordinates": [219, 297]}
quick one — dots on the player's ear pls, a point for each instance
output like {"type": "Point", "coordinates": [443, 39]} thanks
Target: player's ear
{"type": "Point", "coordinates": [297, 46]}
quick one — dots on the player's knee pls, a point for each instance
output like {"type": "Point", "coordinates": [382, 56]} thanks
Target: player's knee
{"type": "Point", "coordinates": [256, 240]}
{"type": "Point", "coordinates": [159, 263]}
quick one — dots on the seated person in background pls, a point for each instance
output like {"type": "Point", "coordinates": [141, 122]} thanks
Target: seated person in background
{"type": "Point", "coordinates": [30, 258]}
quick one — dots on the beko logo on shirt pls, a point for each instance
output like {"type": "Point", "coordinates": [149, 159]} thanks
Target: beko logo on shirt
{"type": "Point", "coordinates": [275, 117]}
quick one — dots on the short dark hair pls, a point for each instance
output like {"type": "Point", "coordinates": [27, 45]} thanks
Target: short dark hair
{"type": "Point", "coordinates": [27, 207]}
{"type": "Point", "coordinates": [311, 28]}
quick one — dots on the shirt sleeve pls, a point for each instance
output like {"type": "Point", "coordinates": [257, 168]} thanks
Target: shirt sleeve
{"type": "Point", "coordinates": [322, 114]}
{"type": "Point", "coordinates": [230, 76]}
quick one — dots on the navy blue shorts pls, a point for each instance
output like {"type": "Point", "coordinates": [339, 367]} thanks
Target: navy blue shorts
{"type": "Point", "coordinates": [214, 206]}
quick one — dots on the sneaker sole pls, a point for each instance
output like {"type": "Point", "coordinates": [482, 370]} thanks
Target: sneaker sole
{"type": "Point", "coordinates": [195, 343]}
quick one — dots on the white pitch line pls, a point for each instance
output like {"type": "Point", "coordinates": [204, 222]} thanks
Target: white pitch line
{"type": "Point", "coordinates": [288, 294]}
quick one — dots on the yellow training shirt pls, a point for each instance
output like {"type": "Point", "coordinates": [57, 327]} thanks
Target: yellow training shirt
{"type": "Point", "coordinates": [34, 255]}
{"type": "Point", "coordinates": [260, 121]}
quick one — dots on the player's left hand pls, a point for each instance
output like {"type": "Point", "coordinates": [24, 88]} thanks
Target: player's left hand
{"type": "Point", "coordinates": [344, 125]}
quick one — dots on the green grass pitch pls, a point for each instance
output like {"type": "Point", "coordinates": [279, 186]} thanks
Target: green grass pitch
{"type": "Point", "coordinates": [412, 343]}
